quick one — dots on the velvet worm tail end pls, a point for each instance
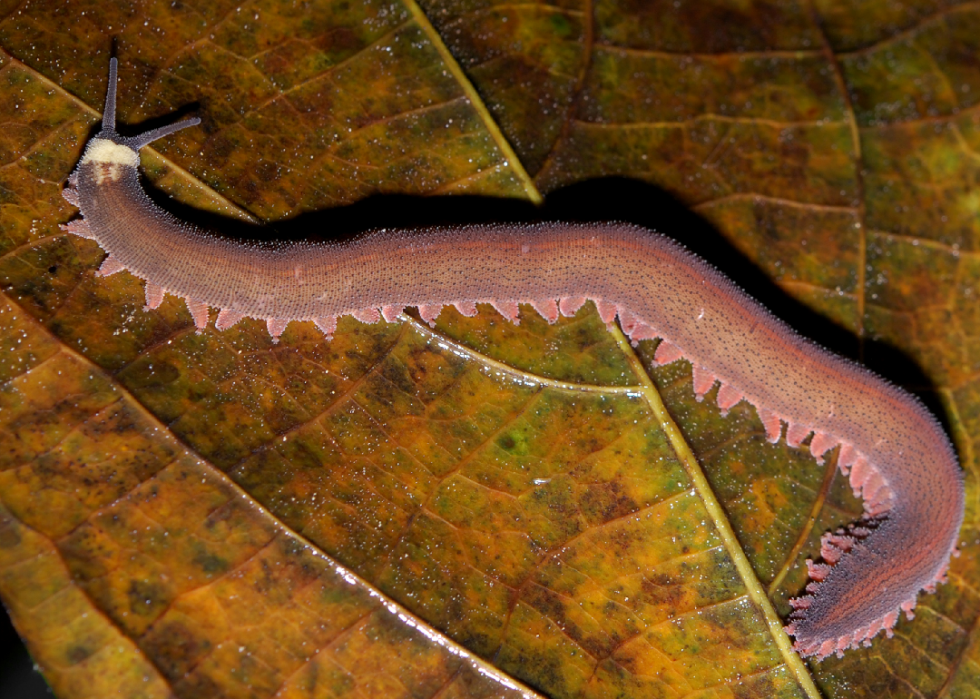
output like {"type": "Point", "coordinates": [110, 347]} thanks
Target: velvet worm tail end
{"type": "Point", "coordinates": [895, 453]}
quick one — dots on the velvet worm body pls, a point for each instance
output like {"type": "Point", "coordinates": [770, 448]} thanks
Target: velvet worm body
{"type": "Point", "coordinates": [894, 451]}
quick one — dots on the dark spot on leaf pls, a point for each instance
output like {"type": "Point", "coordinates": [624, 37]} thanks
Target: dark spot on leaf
{"type": "Point", "coordinates": [78, 653]}
{"type": "Point", "coordinates": [154, 373]}
{"type": "Point", "coordinates": [8, 536]}
{"type": "Point", "coordinates": [144, 597]}
{"type": "Point", "coordinates": [211, 564]}
{"type": "Point", "coordinates": [175, 649]}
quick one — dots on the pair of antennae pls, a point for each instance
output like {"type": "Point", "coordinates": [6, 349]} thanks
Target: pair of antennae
{"type": "Point", "coordinates": [134, 142]}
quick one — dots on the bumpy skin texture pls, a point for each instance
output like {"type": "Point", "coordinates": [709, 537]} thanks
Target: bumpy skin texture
{"type": "Point", "coordinates": [895, 452]}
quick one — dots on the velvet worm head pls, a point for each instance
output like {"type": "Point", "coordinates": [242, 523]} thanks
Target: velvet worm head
{"type": "Point", "coordinates": [893, 450]}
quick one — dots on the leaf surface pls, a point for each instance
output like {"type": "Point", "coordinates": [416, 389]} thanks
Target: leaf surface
{"type": "Point", "coordinates": [475, 509]}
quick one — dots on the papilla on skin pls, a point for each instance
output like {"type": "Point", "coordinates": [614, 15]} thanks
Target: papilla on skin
{"type": "Point", "coordinates": [895, 453]}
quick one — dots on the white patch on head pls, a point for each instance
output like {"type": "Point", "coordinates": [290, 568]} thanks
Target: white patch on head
{"type": "Point", "coordinates": [104, 152]}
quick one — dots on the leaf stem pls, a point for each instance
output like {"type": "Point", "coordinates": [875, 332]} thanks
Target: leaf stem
{"type": "Point", "coordinates": [755, 590]}
{"type": "Point", "coordinates": [510, 156]}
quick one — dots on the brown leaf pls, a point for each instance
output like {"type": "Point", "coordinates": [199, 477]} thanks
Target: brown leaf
{"type": "Point", "coordinates": [480, 509]}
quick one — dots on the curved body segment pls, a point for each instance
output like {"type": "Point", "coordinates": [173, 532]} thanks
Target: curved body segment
{"type": "Point", "coordinates": [895, 453]}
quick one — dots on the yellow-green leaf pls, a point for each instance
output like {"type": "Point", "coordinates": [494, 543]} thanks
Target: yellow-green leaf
{"type": "Point", "coordinates": [474, 509]}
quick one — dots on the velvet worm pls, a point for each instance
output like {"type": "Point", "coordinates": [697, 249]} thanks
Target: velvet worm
{"type": "Point", "coordinates": [895, 453]}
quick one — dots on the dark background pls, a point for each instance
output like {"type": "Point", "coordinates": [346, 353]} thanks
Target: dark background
{"type": "Point", "coordinates": [18, 680]}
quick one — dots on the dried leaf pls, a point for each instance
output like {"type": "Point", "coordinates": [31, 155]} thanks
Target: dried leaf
{"type": "Point", "coordinates": [478, 509]}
